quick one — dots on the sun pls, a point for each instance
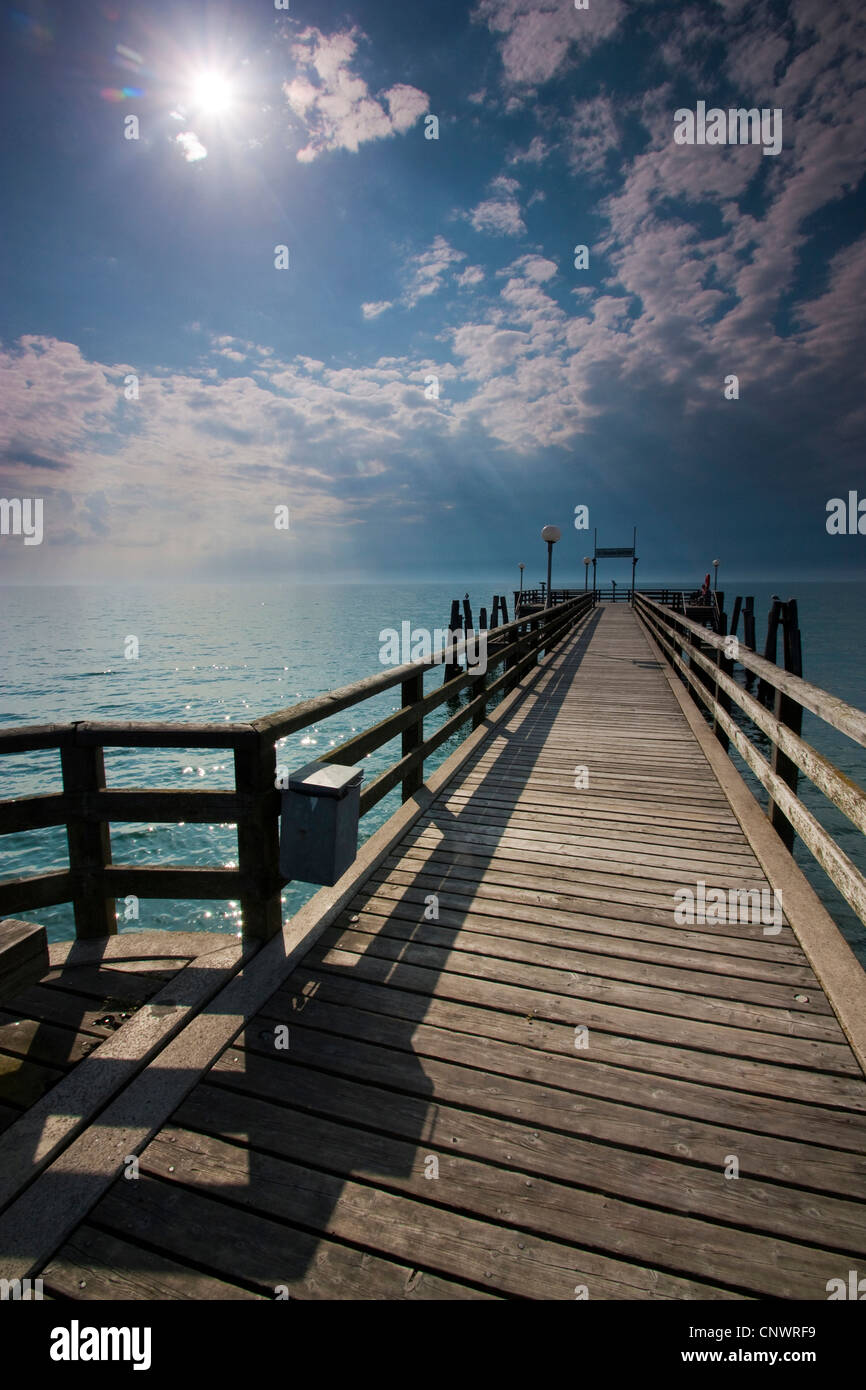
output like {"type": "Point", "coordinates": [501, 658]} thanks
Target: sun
{"type": "Point", "coordinates": [211, 93]}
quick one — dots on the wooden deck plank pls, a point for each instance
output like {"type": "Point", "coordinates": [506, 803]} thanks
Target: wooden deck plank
{"type": "Point", "coordinates": [529, 1181]}
{"type": "Point", "coordinates": [94, 1264]}
{"type": "Point", "coordinates": [504, 906]}
{"type": "Point", "coordinates": [44, 1042]}
{"type": "Point", "coordinates": [330, 1078]}
{"type": "Point", "coordinates": [523, 940]}
{"type": "Point", "coordinates": [66, 1009]}
{"type": "Point", "coordinates": [123, 986]}
{"type": "Point", "coordinates": [508, 1260]}
{"type": "Point", "coordinates": [267, 1254]}
{"type": "Point", "coordinates": [565, 974]}
{"type": "Point", "coordinates": [828, 1065]}
{"type": "Point", "coordinates": [769, 1098]}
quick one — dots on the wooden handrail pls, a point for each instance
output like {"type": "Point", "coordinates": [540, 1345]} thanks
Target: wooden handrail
{"type": "Point", "coordinates": [86, 806]}
{"type": "Point", "coordinates": [847, 719]}
{"type": "Point", "coordinates": [296, 717]}
{"type": "Point", "coordinates": [834, 784]}
{"type": "Point", "coordinates": [123, 733]}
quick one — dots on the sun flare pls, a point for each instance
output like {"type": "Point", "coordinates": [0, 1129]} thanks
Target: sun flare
{"type": "Point", "coordinates": [211, 93]}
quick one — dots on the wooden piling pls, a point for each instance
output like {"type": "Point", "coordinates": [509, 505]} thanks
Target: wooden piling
{"type": "Point", "coordinates": [765, 691]}
{"type": "Point", "coordinates": [749, 634]}
{"type": "Point", "coordinates": [453, 668]}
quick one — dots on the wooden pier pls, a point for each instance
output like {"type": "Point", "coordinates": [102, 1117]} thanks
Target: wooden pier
{"type": "Point", "coordinates": [490, 1062]}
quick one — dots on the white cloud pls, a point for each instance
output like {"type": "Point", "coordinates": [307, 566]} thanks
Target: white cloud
{"type": "Point", "coordinates": [430, 269]}
{"type": "Point", "coordinates": [374, 308]}
{"type": "Point", "coordinates": [542, 35]}
{"type": "Point", "coordinates": [535, 268]}
{"type": "Point", "coordinates": [334, 103]}
{"type": "Point", "coordinates": [472, 275]}
{"type": "Point", "coordinates": [535, 153]}
{"type": "Point", "coordinates": [501, 213]}
{"type": "Point", "coordinates": [245, 443]}
{"type": "Point", "coordinates": [192, 147]}
{"type": "Point", "coordinates": [592, 133]}
{"type": "Point", "coordinates": [487, 350]}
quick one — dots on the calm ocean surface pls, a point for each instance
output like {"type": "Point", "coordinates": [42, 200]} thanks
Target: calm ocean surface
{"type": "Point", "coordinates": [237, 652]}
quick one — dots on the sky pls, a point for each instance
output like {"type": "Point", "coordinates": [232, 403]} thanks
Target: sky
{"type": "Point", "coordinates": [435, 374]}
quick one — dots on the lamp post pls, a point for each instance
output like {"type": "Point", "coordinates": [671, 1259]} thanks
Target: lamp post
{"type": "Point", "coordinates": [715, 575]}
{"type": "Point", "coordinates": [521, 567]}
{"type": "Point", "coordinates": [551, 534]}
{"type": "Point", "coordinates": [587, 561]}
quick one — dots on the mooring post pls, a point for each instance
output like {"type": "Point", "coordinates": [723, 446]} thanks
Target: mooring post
{"type": "Point", "coordinates": [749, 634]}
{"type": "Point", "coordinates": [503, 608]}
{"type": "Point", "coordinates": [452, 665]}
{"type": "Point", "coordinates": [789, 713]}
{"type": "Point", "coordinates": [765, 691]}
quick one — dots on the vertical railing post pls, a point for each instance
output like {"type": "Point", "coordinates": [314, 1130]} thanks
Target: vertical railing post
{"type": "Point", "coordinates": [789, 713]}
{"type": "Point", "coordinates": [726, 665]}
{"type": "Point", "coordinates": [412, 693]}
{"type": "Point", "coordinates": [535, 634]}
{"type": "Point", "coordinates": [512, 662]}
{"type": "Point", "coordinates": [83, 770]}
{"type": "Point", "coordinates": [480, 688]}
{"type": "Point", "coordinates": [259, 838]}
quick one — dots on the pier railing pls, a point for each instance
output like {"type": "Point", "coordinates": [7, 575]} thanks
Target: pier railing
{"type": "Point", "coordinates": [86, 806]}
{"type": "Point", "coordinates": [525, 599]}
{"type": "Point", "coordinates": [706, 661]}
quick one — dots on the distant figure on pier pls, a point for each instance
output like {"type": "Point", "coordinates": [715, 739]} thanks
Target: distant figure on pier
{"type": "Point", "coordinates": [705, 589]}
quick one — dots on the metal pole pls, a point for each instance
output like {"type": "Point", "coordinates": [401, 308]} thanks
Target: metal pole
{"type": "Point", "coordinates": [549, 568]}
